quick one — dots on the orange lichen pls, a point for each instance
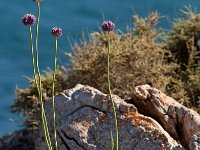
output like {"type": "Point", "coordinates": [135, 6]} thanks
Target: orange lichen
{"type": "Point", "coordinates": [139, 120]}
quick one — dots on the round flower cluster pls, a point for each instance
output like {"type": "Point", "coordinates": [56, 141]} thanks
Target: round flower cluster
{"type": "Point", "coordinates": [29, 20]}
{"type": "Point", "coordinates": [56, 32]}
{"type": "Point", "coordinates": [108, 26]}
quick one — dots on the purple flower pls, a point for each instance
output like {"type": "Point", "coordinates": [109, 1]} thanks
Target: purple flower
{"type": "Point", "coordinates": [108, 26]}
{"type": "Point", "coordinates": [56, 32]}
{"type": "Point", "coordinates": [38, 1]}
{"type": "Point", "coordinates": [28, 20]}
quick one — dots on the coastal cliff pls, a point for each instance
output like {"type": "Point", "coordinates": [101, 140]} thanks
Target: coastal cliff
{"type": "Point", "coordinates": [149, 120]}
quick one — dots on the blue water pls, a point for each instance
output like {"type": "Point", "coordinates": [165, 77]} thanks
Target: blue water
{"type": "Point", "coordinates": [73, 16]}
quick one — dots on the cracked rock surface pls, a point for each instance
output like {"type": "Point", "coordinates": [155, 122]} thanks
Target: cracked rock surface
{"type": "Point", "coordinates": [181, 123]}
{"type": "Point", "coordinates": [84, 120]}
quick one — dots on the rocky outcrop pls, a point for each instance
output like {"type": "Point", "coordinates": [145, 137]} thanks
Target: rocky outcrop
{"type": "Point", "coordinates": [181, 123]}
{"type": "Point", "coordinates": [18, 140]}
{"type": "Point", "coordinates": [84, 120]}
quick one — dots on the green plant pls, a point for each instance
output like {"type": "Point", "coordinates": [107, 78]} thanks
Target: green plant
{"type": "Point", "coordinates": [56, 32]}
{"type": "Point", "coordinates": [29, 20]}
{"type": "Point", "coordinates": [27, 101]}
{"type": "Point", "coordinates": [136, 58]}
{"type": "Point", "coordinates": [43, 116]}
{"type": "Point", "coordinates": [107, 27]}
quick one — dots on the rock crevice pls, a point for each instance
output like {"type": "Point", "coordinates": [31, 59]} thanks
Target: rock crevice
{"type": "Point", "coordinates": [84, 121]}
{"type": "Point", "coordinates": [180, 122]}
{"type": "Point", "coordinates": [85, 115]}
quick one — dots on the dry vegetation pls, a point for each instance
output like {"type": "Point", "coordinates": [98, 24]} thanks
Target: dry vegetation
{"type": "Point", "coordinates": [183, 41]}
{"type": "Point", "coordinates": [136, 58]}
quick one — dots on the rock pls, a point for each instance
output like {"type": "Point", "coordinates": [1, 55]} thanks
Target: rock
{"type": "Point", "coordinates": [181, 123]}
{"type": "Point", "coordinates": [84, 120]}
{"type": "Point", "coordinates": [194, 142]}
{"type": "Point", "coordinates": [18, 140]}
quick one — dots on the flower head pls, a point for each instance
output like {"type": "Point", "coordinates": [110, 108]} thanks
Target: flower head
{"type": "Point", "coordinates": [56, 32]}
{"type": "Point", "coordinates": [29, 20]}
{"type": "Point", "coordinates": [38, 1]}
{"type": "Point", "coordinates": [108, 26]}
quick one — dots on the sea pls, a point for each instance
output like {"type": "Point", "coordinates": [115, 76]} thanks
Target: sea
{"type": "Point", "coordinates": [74, 17]}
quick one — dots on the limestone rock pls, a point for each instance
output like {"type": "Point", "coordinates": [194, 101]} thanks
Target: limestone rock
{"type": "Point", "coordinates": [84, 120]}
{"type": "Point", "coordinates": [181, 123]}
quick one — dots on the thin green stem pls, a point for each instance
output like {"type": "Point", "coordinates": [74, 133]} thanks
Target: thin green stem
{"type": "Point", "coordinates": [43, 116]}
{"type": "Point", "coordinates": [36, 41]}
{"type": "Point", "coordinates": [110, 97]}
{"type": "Point", "coordinates": [34, 73]}
{"type": "Point", "coordinates": [32, 53]}
{"type": "Point", "coordinates": [53, 92]}
{"type": "Point", "coordinates": [112, 141]}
